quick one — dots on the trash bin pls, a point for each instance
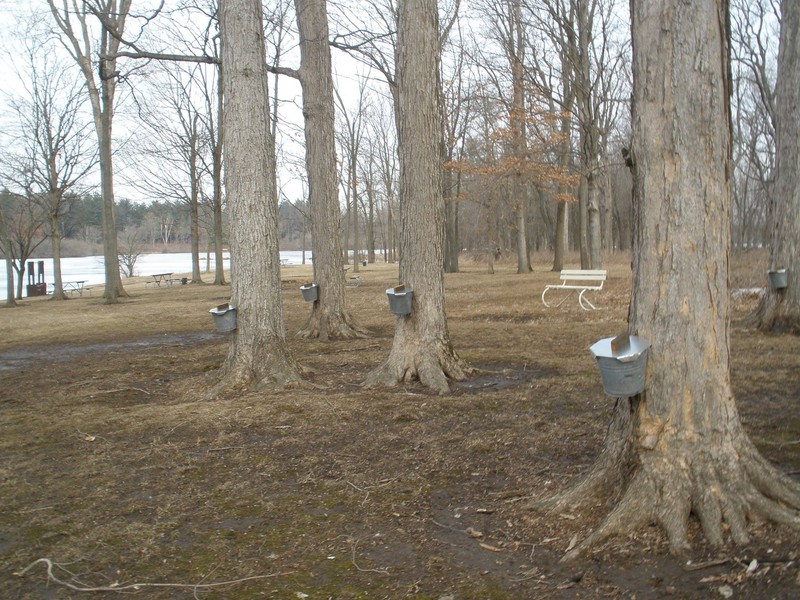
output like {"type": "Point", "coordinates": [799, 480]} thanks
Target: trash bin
{"type": "Point", "coordinates": [310, 292]}
{"type": "Point", "coordinates": [778, 279]}
{"type": "Point", "coordinates": [224, 317]}
{"type": "Point", "coordinates": [400, 299]}
{"type": "Point", "coordinates": [623, 364]}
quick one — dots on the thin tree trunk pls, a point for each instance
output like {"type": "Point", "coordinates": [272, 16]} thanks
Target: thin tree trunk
{"type": "Point", "coordinates": [55, 238]}
{"type": "Point", "coordinates": [10, 300]}
{"type": "Point", "coordinates": [219, 258]}
{"type": "Point", "coordinates": [194, 208]}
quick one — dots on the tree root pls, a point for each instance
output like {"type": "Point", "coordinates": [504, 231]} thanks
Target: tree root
{"type": "Point", "coordinates": [339, 326]}
{"type": "Point", "coordinates": [723, 488]}
{"type": "Point", "coordinates": [433, 368]}
{"type": "Point", "coordinates": [277, 371]}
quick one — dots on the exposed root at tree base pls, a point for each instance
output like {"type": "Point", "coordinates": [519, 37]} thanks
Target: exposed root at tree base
{"type": "Point", "coordinates": [270, 375]}
{"type": "Point", "coordinates": [338, 327]}
{"type": "Point", "coordinates": [433, 369]}
{"type": "Point", "coordinates": [724, 488]}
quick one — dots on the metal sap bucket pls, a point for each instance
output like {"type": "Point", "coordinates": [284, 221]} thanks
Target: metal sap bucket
{"type": "Point", "coordinates": [310, 292]}
{"type": "Point", "coordinates": [224, 317]}
{"type": "Point", "coordinates": [623, 364]}
{"type": "Point", "coordinates": [778, 279]}
{"type": "Point", "coordinates": [400, 299]}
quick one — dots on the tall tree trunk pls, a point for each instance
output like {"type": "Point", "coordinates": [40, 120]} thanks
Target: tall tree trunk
{"type": "Point", "coordinates": [391, 237]}
{"type": "Point", "coordinates": [258, 353]}
{"type": "Point", "coordinates": [452, 246]}
{"type": "Point", "coordinates": [593, 211]}
{"type": "Point", "coordinates": [518, 129]}
{"type": "Point", "coordinates": [679, 448]}
{"type": "Point", "coordinates": [354, 194]}
{"type": "Point", "coordinates": [113, 286]}
{"type": "Point", "coordinates": [219, 259]}
{"type": "Point", "coordinates": [329, 317]}
{"type": "Point", "coordinates": [779, 310]}
{"type": "Point", "coordinates": [194, 207]}
{"type": "Point", "coordinates": [55, 238]}
{"type": "Point", "coordinates": [421, 348]}
{"type": "Point", "coordinates": [562, 240]}
{"type": "Point", "coordinates": [10, 300]}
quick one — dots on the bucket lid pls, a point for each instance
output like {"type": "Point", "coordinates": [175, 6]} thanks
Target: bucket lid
{"type": "Point", "coordinates": [393, 292]}
{"type": "Point", "coordinates": [623, 348]}
{"type": "Point", "coordinates": [218, 311]}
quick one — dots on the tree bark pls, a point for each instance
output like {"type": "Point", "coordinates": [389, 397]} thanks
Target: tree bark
{"type": "Point", "coordinates": [679, 448]}
{"type": "Point", "coordinates": [258, 354]}
{"type": "Point", "coordinates": [55, 238]}
{"type": "Point", "coordinates": [10, 300]}
{"type": "Point", "coordinates": [216, 134]}
{"type": "Point", "coordinates": [421, 348]}
{"type": "Point", "coordinates": [194, 201]}
{"type": "Point", "coordinates": [329, 317]}
{"type": "Point", "coordinates": [516, 52]}
{"type": "Point", "coordinates": [779, 309]}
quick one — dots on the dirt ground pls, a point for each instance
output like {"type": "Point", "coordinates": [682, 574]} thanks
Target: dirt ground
{"type": "Point", "coordinates": [116, 468]}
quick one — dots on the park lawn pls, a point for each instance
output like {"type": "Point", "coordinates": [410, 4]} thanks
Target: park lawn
{"type": "Point", "coordinates": [116, 465]}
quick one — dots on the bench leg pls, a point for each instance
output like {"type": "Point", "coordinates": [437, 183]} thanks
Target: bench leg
{"type": "Point", "coordinates": [585, 301]}
{"type": "Point", "coordinates": [564, 299]}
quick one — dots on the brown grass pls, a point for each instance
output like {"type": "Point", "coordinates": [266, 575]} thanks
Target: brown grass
{"type": "Point", "coordinates": [113, 464]}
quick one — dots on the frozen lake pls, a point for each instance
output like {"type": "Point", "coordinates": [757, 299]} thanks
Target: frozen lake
{"type": "Point", "coordinates": [90, 268]}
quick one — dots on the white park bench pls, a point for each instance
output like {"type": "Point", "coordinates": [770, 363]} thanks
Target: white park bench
{"type": "Point", "coordinates": [578, 279]}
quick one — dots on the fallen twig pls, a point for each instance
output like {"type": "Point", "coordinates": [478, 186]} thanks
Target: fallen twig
{"type": "Point", "coordinates": [125, 389]}
{"type": "Point", "coordinates": [137, 586]}
{"type": "Point", "coordinates": [355, 564]}
{"type": "Point", "coordinates": [707, 564]}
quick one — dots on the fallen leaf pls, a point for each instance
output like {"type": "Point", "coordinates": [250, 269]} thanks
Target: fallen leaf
{"type": "Point", "coordinates": [88, 438]}
{"type": "Point", "coordinates": [474, 533]}
{"type": "Point", "coordinates": [490, 548]}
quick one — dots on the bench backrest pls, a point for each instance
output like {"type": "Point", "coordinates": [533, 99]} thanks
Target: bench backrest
{"type": "Point", "coordinates": [583, 274]}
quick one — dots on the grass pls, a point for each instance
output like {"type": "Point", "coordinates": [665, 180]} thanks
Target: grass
{"type": "Point", "coordinates": [113, 462]}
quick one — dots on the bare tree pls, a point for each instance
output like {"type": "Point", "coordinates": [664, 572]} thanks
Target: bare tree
{"type": "Point", "coordinates": [754, 40]}
{"type": "Point", "coordinates": [173, 141]}
{"type": "Point", "coordinates": [351, 136]}
{"type": "Point", "coordinates": [258, 352]}
{"type": "Point", "coordinates": [421, 348]}
{"type": "Point", "coordinates": [131, 247]}
{"type": "Point", "coordinates": [779, 309]}
{"type": "Point", "coordinates": [97, 60]}
{"type": "Point", "coordinates": [52, 152]}
{"type": "Point", "coordinates": [329, 317]}
{"type": "Point", "coordinates": [679, 448]}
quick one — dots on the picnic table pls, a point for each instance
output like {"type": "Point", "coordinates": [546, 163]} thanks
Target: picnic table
{"type": "Point", "coordinates": [284, 262]}
{"type": "Point", "coordinates": [160, 279]}
{"type": "Point", "coordinates": [72, 287]}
